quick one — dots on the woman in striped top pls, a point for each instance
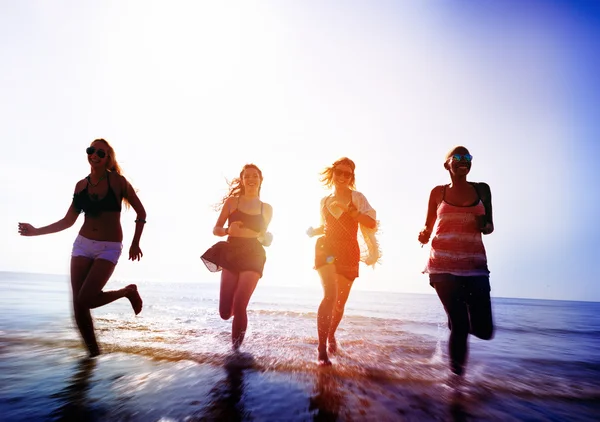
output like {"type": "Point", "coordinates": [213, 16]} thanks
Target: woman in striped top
{"type": "Point", "coordinates": [457, 264]}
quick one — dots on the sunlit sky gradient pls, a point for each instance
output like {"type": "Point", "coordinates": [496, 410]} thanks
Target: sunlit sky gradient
{"type": "Point", "coordinates": [188, 92]}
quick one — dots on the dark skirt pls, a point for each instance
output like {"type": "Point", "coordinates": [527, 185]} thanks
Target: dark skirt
{"type": "Point", "coordinates": [237, 254]}
{"type": "Point", "coordinates": [343, 253]}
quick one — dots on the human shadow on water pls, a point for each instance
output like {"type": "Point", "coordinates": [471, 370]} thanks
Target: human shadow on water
{"type": "Point", "coordinates": [226, 397]}
{"type": "Point", "coordinates": [328, 400]}
{"type": "Point", "coordinates": [457, 408]}
{"type": "Point", "coordinates": [74, 404]}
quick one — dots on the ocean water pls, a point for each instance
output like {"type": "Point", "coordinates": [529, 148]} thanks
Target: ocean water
{"type": "Point", "coordinates": [174, 360]}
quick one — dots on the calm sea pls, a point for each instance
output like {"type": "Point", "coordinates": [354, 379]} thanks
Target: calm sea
{"type": "Point", "coordinates": [545, 352]}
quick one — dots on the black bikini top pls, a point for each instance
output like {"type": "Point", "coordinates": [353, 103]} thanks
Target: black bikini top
{"type": "Point", "coordinates": [254, 222]}
{"type": "Point", "coordinates": [82, 201]}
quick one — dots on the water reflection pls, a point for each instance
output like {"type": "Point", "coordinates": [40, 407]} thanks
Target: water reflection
{"type": "Point", "coordinates": [74, 404]}
{"type": "Point", "coordinates": [328, 400]}
{"type": "Point", "coordinates": [226, 397]}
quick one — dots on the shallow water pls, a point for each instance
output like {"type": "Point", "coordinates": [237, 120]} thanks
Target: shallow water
{"type": "Point", "coordinates": [173, 361]}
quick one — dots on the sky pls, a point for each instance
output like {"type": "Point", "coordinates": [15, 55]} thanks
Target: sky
{"type": "Point", "coordinates": [188, 92]}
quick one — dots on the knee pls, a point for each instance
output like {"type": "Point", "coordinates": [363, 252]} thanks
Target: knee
{"type": "Point", "coordinates": [225, 314]}
{"type": "Point", "coordinates": [329, 300]}
{"type": "Point", "coordinates": [81, 302]}
{"type": "Point", "coordinates": [486, 333]}
{"type": "Point", "coordinates": [339, 306]}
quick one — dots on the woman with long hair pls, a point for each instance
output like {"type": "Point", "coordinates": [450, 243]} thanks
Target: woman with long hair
{"type": "Point", "coordinates": [337, 251]}
{"type": "Point", "coordinates": [241, 258]}
{"type": "Point", "coordinates": [457, 264]}
{"type": "Point", "coordinates": [98, 246]}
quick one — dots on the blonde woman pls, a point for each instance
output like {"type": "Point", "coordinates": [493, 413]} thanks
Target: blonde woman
{"type": "Point", "coordinates": [98, 246]}
{"type": "Point", "coordinates": [337, 251]}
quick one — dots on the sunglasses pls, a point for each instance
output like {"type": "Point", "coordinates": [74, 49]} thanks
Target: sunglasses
{"type": "Point", "coordinates": [457, 157]}
{"type": "Point", "coordinates": [347, 174]}
{"type": "Point", "coordinates": [99, 152]}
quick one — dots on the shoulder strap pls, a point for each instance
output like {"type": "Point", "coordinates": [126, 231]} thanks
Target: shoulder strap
{"type": "Point", "coordinates": [476, 187]}
{"type": "Point", "coordinates": [444, 192]}
{"type": "Point", "coordinates": [482, 196]}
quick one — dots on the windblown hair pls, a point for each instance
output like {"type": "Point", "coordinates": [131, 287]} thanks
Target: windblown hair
{"type": "Point", "coordinates": [236, 187]}
{"type": "Point", "coordinates": [111, 162]}
{"type": "Point", "coordinates": [327, 173]}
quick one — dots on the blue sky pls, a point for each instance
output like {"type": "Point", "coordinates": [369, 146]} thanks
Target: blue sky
{"type": "Point", "coordinates": [188, 92]}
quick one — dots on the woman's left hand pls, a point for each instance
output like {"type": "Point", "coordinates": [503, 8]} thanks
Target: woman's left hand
{"type": "Point", "coordinates": [135, 253]}
{"type": "Point", "coordinates": [352, 211]}
{"type": "Point", "coordinates": [487, 229]}
{"type": "Point", "coordinates": [266, 239]}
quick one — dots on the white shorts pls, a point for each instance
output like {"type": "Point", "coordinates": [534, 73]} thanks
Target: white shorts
{"type": "Point", "coordinates": [97, 249]}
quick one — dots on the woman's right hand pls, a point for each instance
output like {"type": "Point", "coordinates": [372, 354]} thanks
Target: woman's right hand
{"type": "Point", "coordinates": [310, 231]}
{"type": "Point", "coordinates": [424, 236]}
{"type": "Point", "coordinates": [235, 229]}
{"type": "Point", "coordinates": [26, 229]}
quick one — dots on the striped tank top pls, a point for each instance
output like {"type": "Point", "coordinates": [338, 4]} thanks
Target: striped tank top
{"type": "Point", "coordinates": [457, 246]}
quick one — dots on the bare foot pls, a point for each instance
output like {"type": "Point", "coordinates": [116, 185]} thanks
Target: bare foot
{"type": "Point", "coordinates": [323, 359]}
{"type": "Point", "coordinates": [332, 346]}
{"type": "Point", "coordinates": [134, 297]}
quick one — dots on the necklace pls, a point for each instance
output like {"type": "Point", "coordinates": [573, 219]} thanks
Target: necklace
{"type": "Point", "coordinates": [89, 180]}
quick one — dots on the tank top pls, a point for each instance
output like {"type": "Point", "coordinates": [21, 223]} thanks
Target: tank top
{"type": "Point", "coordinates": [457, 246]}
{"type": "Point", "coordinates": [254, 222]}
{"type": "Point", "coordinates": [82, 201]}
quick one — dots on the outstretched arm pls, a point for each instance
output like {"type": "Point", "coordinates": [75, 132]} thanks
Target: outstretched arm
{"type": "Point", "coordinates": [26, 229]}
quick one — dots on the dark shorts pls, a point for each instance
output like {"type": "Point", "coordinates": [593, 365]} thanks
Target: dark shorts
{"type": "Point", "coordinates": [466, 300]}
{"type": "Point", "coordinates": [344, 254]}
{"type": "Point", "coordinates": [236, 255]}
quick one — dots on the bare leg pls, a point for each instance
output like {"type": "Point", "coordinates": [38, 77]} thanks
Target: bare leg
{"type": "Point", "coordinates": [480, 307]}
{"type": "Point", "coordinates": [343, 291]}
{"type": "Point", "coordinates": [246, 284]}
{"type": "Point", "coordinates": [451, 295]}
{"type": "Point", "coordinates": [329, 283]}
{"type": "Point", "coordinates": [80, 267]}
{"type": "Point", "coordinates": [88, 278]}
{"type": "Point", "coordinates": [229, 282]}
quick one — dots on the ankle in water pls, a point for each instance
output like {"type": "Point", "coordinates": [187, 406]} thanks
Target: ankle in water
{"type": "Point", "coordinates": [323, 359]}
{"type": "Point", "coordinates": [332, 346]}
